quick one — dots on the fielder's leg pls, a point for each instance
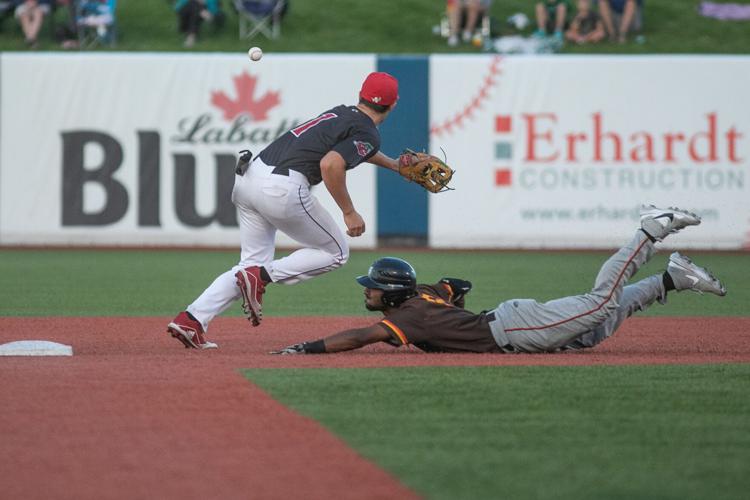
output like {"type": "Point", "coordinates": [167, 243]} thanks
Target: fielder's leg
{"type": "Point", "coordinates": [257, 236]}
{"type": "Point", "coordinates": [312, 226]}
{"type": "Point", "coordinates": [224, 290]}
{"type": "Point", "coordinates": [283, 201]}
{"type": "Point", "coordinates": [257, 246]}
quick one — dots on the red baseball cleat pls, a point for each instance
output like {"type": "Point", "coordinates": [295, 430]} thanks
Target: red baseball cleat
{"type": "Point", "coordinates": [252, 288]}
{"type": "Point", "coordinates": [189, 332]}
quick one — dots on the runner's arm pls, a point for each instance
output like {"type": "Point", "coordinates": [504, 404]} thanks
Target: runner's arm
{"type": "Point", "coordinates": [346, 340]}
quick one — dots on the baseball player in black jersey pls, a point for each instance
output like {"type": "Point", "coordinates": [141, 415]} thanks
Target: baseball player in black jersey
{"type": "Point", "coordinates": [433, 318]}
{"type": "Point", "coordinates": [273, 193]}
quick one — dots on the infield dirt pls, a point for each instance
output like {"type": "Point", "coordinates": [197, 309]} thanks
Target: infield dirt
{"type": "Point", "coordinates": [135, 415]}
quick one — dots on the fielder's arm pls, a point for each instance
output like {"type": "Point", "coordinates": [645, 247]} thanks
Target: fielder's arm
{"type": "Point", "coordinates": [333, 171]}
{"type": "Point", "coordinates": [342, 341]}
{"type": "Point", "coordinates": [384, 161]}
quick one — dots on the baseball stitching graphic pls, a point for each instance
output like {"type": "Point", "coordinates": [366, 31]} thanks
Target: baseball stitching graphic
{"type": "Point", "coordinates": [467, 113]}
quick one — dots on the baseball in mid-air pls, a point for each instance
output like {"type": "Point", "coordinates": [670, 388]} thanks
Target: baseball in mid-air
{"type": "Point", "coordinates": [255, 53]}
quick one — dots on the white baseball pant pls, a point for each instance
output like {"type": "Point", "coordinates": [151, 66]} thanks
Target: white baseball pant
{"type": "Point", "coordinates": [268, 202]}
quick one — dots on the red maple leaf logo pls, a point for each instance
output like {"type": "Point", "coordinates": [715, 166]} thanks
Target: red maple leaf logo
{"type": "Point", "coordinates": [244, 86]}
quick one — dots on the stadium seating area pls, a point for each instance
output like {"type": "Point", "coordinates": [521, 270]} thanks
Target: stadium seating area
{"type": "Point", "coordinates": [306, 27]}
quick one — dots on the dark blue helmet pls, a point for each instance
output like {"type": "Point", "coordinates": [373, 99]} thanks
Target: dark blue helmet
{"type": "Point", "coordinates": [394, 276]}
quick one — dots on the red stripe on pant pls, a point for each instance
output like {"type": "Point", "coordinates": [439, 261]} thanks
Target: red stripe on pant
{"type": "Point", "coordinates": [609, 297]}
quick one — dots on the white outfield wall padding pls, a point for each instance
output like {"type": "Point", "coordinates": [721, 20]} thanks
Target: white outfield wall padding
{"type": "Point", "coordinates": [550, 151]}
{"type": "Point", "coordinates": [560, 151]}
{"type": "Point", "coordinates": [139, 148]}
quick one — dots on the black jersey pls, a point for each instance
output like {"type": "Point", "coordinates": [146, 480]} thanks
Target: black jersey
{"type": "Point", "coordinates": [344, 129]}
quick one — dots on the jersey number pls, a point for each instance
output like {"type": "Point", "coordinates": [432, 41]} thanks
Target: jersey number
{"type": "Point", "coordinates": [298, 131]}
{"type": "Point", "coordinates": [434, 300]}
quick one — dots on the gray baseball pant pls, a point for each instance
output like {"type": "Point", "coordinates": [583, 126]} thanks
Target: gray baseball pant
{"type": "Point", "coordinates": [580, 321]}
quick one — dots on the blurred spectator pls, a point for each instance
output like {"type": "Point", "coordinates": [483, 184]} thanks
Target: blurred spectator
{"type": "Point", "coordinates": [468, 11]}
{"type": "Point", "coordinates": [621, 17]}
{"type": "Point", "coordinates": [30, 15]}
{"type": "Point", "coordinates": [587, 26]}
{"type": "Point", "coordinates": [551, 18]}
{"type": "Point", "coordinates": [66, 32]}
{"type": "Point", "coordinates": [191, 14]}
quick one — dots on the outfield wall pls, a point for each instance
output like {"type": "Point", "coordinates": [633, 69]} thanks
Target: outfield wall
{"type": "Point", "coordinates": [551, 151]}
{"type": "Point", "coordinates": [140, 149]}
{"type": "Point", "coordinates": [560, 151]}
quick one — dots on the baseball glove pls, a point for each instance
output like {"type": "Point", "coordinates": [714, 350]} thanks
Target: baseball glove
{"type": "Point", "coordinates": [459, 288]}
{"type": "Point", "coordinates": [427, 170]}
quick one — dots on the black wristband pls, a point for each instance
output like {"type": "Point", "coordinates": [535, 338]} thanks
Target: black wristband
{"type": "Point", "coordinates": [317, 347]}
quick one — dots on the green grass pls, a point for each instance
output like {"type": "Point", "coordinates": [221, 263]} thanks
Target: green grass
{"type": "Point", "coordinates": [668, 432]}
{"type": "Point", "coordinates": [395, 26]}
{"type": "Point", "coordinates": [158, 282]}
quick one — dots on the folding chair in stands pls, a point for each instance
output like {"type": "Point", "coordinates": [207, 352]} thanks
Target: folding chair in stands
{"type": "Point", "coordinates": [96, 22]}
{"type": "Point", "coordinates": [260, 17]}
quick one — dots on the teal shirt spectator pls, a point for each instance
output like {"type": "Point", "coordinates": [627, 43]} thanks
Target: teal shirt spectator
{"type": "Point", "coordinates": [211, 5]}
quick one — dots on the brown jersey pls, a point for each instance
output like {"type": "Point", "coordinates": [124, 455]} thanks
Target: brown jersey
{"type": "Point", "coordinates": [433, 323]}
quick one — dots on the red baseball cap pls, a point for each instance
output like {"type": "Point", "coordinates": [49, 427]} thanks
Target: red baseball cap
{"type": "Point", "coordinates": [379, 88]}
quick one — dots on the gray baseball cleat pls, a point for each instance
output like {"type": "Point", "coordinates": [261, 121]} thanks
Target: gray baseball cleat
{"type": "Point", "coordinates": [686, 275]}
{"type": "Point", "coordinates": [661, 222]}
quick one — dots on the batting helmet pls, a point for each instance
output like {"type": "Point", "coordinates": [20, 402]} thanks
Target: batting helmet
{"type": "Point", "coordinates": [394, 276]}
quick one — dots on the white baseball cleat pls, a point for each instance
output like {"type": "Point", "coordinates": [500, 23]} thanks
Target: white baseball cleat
{"type": "Point", "coordinates": [686, 275]}
{"type": "Point", "coordinates": [661, 222]}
